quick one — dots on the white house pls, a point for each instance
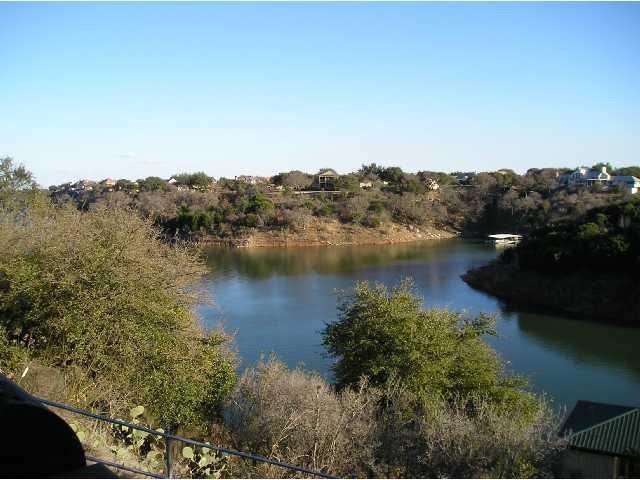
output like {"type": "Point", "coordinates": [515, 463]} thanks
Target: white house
{"type": "Point", "coordinates": [627, 183]}
{"type": "Point", "coordinates": [586, 176]}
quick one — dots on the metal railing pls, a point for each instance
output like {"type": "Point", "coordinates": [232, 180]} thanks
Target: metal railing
{"type": "Point", "coordinates": [168, 438]}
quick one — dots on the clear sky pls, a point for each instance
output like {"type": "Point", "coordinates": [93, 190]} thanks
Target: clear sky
{"type": "Point", "coordinates": [131, 90]}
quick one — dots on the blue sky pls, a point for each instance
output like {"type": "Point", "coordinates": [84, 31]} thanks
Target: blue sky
{"type": "Point", "coordinates": [131, 90]}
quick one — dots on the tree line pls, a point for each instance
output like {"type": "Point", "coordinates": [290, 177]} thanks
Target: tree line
{"type": "Point", "coordinates": [483, 203]}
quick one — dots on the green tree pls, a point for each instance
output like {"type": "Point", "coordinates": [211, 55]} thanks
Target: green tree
{"type": "Point", "coordinates": [99, 297]}
{"type": "Point", "coordinates": [150, 184]}
{"type": "Point", "coordinates": [18, 189]}
{"type": "Point", "coordinates": [385, 335]}
{"type": "Point", "coordinates": [14, 178]}
{"type": "Point", "coordinates": [125, 185]}
{"type": "Point", "coordinates": [348, 183]}
{"type": "Point", "coordinates": [260, 203]}
{"type": "Point", "coordinates": [633, 171]}
{"type": "Point", "coordinates": [294, 179]}
{"type": "Point", "coordinates": [197, 180]}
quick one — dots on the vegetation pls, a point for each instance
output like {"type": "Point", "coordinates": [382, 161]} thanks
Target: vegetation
{"type": "Point", "coordinates": [604, 239]}
{"type": "Point", "coordinates": [100, 308]}
{"type": "Point", "coordinates": [98, 296]}
{"type": "Point", "coordinates": [586, 267]}
{"type": "Point", "coordinates": [434, 354]}
{"type": "Point", "coordinates": [477, 203]}
{"type": "Point", "coordinates": [364, 431]}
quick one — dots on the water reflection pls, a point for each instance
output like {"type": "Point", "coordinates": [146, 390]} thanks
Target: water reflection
{"type": "Point", "coordinates": [279, 300]}
{"type": "Point", "coordinates": [262, 263]}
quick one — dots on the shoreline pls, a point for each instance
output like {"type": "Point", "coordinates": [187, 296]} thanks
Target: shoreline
{"type": "Point", "coordinates": [333, 233]}
{"type": "Point", "coordinates": [606, 297]}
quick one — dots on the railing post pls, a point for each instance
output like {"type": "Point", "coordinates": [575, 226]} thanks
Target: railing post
{"type": "Point", "coordinates": [167, 456]}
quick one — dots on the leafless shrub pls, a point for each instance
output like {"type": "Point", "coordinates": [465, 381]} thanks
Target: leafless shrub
{"type": "Point", "coordinates": [295, 416]}
{"type": "Point", "coordinates": [468, 437]}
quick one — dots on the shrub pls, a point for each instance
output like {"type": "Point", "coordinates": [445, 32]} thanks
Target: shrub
{"type": "Point", "coordinates": [468, 436]}
{"type": "Point", "coordinates": [382, 334]}
{"type": "Point", "coordinates": [101, 297]}
{"type": "Point", "coordinates": [296, 417]}
{"type": "Point", "coordinates": [371, 220]}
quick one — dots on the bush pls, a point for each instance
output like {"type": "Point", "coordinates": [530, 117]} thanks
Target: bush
{"type": "Point", "coordinates": [101, 297]}
{"type": "Point", "coordinates": [296, 417]}
{"type": "Point", "coordinates": [382, 335]}
{"type": "Point", "coordinates": [409, 209]}
{"type": "Point", "coordinates": [467, 437]}
{"type": "Point", "coordinates": [371, 220]}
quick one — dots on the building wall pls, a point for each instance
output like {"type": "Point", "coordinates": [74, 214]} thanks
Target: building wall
{"type": "Point", "coordinates": [581, 464]}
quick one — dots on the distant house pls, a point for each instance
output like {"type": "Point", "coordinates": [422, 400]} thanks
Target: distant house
{"type": "Point", "coordinates": [604, 441]}
{"type": "Point", "coordinates": [588, 177]}
{"type": "Point", "coordinates": [464, 178]}
{"type": "Point", "coordinates": [366, 185]}
{"type": "Point", "coordinates": [326, 179]}
{"type": "Point", "coordinates": [626, 183]}
{"type": "Point", "coordinates": [584, 176]}
{"type": "Point", "coordinates": [83, 185]}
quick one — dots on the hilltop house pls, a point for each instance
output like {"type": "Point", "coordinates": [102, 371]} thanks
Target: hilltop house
{"type": "Point", "coordinates": [83, 185]}
{"type": "Point", "coordinates": [626, 183]}
{"type": "Point", "coordinates": [586, 177]}
{"type": "Point", "coordinates": [464, 178]}
{"type": "Point", "coordinates": [589, 177]}
{"type": "Point", "coordinates": [326, 179]}
{"type": "Point", "coordinates": [604, 441]}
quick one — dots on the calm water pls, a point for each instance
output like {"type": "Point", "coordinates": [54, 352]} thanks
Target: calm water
{"type": "Point", "coordinates": [277, 300]}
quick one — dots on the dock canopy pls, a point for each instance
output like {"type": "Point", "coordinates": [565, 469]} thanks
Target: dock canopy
{"type": "Point", "coordinates": [505, 236]}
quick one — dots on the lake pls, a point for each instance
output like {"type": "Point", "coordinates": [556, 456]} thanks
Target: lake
{"type": "Point", "coordinates": [278, 300]}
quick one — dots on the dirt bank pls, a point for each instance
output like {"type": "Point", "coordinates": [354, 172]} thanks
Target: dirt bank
{"type": "Point", "coordinates": [607, 297]}
{"type": "Point", "coordinates": [333, 232]}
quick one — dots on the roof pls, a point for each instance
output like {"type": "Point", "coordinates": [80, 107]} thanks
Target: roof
{"type": "Point", "coordinates": [625, 178]}
{"type": "Point", "coordinates": [602, 427]}
{"type": "Point", "coordinates": [500, 236]}
{"type": "Point", "coordinates": [328, 171]}
{"type": "Point", "coordinates": [597, 174]}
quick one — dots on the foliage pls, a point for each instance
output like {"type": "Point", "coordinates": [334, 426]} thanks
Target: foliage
{"type": "Point", "coordinates": [14, 178]}
{"type": "Point", "coordinates": [604, 239]}
{"type": "Point", "coordinates": [100, 296]}
{"type": "Point", "coordinates": [17, 186]}
{"type": "Point", "coordinates": [296, 417]}
{"type": "Point", "coordinates": [384, 335]}
{"type": "Point", "coordinates": [151, 184]}
{"type": "Point", "coordinates": [197, 180]}
{"type": "Point", "coordinates": [294, 179]}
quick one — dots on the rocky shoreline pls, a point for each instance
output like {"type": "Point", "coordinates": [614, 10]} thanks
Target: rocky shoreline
{"type": "Point", "coordinates": [608, 297]}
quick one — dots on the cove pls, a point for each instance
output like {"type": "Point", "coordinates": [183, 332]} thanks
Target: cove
{"type": "Point", "coordinates": [278, 300]}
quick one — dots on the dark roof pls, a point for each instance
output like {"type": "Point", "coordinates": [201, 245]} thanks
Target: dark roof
{"type": "Point", "coordinates": [602, 427]}
{"type": "Point", "coordinates": [587, 414]}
